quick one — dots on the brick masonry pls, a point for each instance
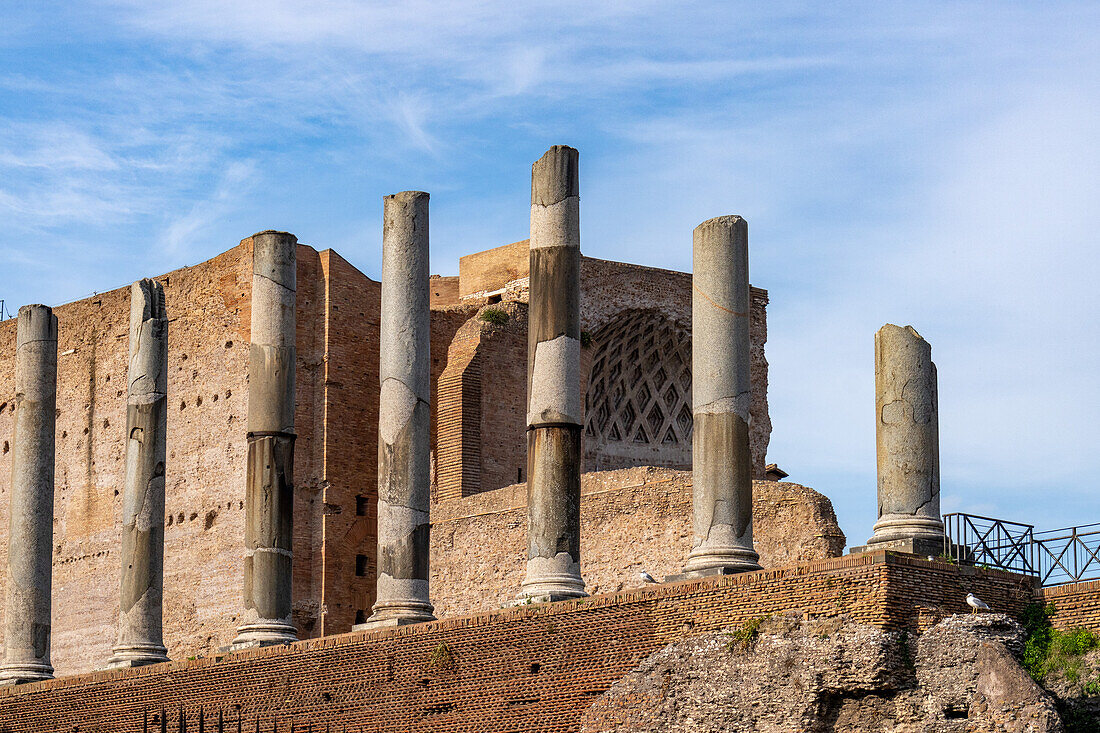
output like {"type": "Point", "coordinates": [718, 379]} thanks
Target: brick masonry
{"type": "Point", "coordinates": [477, 434]}
{"type": "Point", "coordinates": [525, 668]}
{"type": "Point", "coordinates": [1076, 604]}
{"type": "Point", "coordinates": [482, 390]}
{"type": "Point", "coordinates": [335, 460]}
{"type": "Point", "coordinates": [631, 520]}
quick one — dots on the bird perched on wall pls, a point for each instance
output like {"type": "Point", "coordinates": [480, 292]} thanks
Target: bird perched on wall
{"type": "Point", "coordinates": [976, 604]}
{"type": "Point", "coordinates": [646, 577]}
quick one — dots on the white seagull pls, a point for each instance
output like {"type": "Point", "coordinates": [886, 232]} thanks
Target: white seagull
{"type": "Point", "coordinates": [646, 577]}
{"type": "Point", "coordinates": [975, 603]}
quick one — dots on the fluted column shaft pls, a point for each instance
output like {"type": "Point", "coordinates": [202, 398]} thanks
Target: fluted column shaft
{"type": "Point", "coordinates": [907, 438]}
{"type": "Point", "coordinates": [269, 491]}
{"type": "Point", "coordinates": [141, 588]}
{"type": "Point", "coordinates": [721, 393]}
{"type": "Point", "coordinates": [30, 533]}
{"type": "Point", "coordinates": [404, 415]}
{"type": "Point", "coordinates": [553, 381]}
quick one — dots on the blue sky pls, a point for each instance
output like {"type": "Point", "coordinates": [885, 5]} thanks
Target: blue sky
{"type": "Point", "coordinates": [925, 163]}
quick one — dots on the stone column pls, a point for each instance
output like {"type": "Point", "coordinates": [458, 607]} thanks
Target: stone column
{"type": "Point", "coordinates": [30, 533]}
{"type": "Point", "coordinates": [269, 491]}
{"type": "Point", "coordinates": [553, 382]}
{"type": "Point", "coordinates": [404, 416]}
{"type": "Point", "coordinates": [908, 444]}
{"type": "Point", "coordinates": [141, 590]}
{"type": "Point", "coordinates": [720, 394]}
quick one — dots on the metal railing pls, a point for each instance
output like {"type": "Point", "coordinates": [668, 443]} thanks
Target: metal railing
{"type": "Point", "coordinates": [1068, 555]}
{"type": "Point", "coordinates": [970, 539]}
{"type": "Point", "coordinates": [1054, 556]}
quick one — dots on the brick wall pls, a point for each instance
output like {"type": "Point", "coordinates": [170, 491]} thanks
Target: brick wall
{"type": "Point", "coordinates": [631, 520]}
{"type": "Point", "coordinates": [1076, 604]}
{"type": "Point", "coordinates": [208, 308]}
{"type": "Point", "coordinates": [491, 269]}
{"type": "Point", "coordinates": [521, 669]}
{"type": "Point", "coordinates": [347, 416]}
{"type": "Point", "coordinates": [335, 453]}
{"type": "Point", "coordinates": [478, 436]}
{"type": "Point", "coordinates": [483, 389]}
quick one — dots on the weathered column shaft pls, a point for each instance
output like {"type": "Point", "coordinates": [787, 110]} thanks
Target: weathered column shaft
{"type": "Point", "coordinates": [30, 533]}
{"type": "Point", "coordinates": [907, 437]}
{"type": "Point", "coordinates": [141, 589]}
{"type": "Point", "coordinates": [269, 492]}
{"type": "Point", "coordinates": [553, 381]}
{"type": "Point", "coordinates": [404, 415]}
{"type": "Point", "coordinates": [721, 393]}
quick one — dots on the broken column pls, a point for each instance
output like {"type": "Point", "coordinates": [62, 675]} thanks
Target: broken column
{"type": "Point", "coordinates": [404, 416]}
{"type": "Point", "coordinates": [269, 489]}
{"type": "Point", "coordinates": [553, 382]}
{"type": "Point", "coordinates": [30, 533]}
{"type": "Point", "coordinates": [721, 393]}
{"type": "Point", "coordinates": [140, 636]}
{"type": "Point", "coordinates": [907, 437]}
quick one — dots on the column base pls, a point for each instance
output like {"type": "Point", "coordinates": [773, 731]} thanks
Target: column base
{"type": "Point", "coordinates": [923, 546]}
{"type": "Point", "coordinates": [721, 561]}
{"type": "Point", "coordinates": [551, 579]}
{"type": "Point", "coordinates": [392, 621]}
{"type": "Point", "coordinates": [136, 656]}
{"type": "Point", "coordinates": [265, 633]}
{"type": "Point", "coordinates": [894, 527]}
{"type": "Point", "coordinates": [709, 573]}
{"type": "Point", "coordinates": [529, 599]}
{"type": "Point", "coordinates": [23, 672]}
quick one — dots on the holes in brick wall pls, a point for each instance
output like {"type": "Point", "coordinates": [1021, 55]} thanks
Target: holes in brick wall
{"type": "Point", "coordinates": [170, 520]}
{"type": "Point", "coordinates": [6, 447]}
{"type": "Point", "coordinates": [361, 563]}
{"type": "Point", "coordinates": [193, 517]}
{"type": "Point", "coordinates": [3, 405]}
{"type": "Point", "coordinates": [228, 393]}
{"type": "Point", "coordinates": [116, 492]}
{"type": "Point", "coordinates": [360, 616]}
{"type": "Point", "coordinates": [183, 357]}
{"type": "Point", "coordinates": [198, 401]}
{"type": "Point", "coordinates": [179, 519]}
{"type": "Point", "coordinates": [215, 397]}
{"type": "Point", "coordinates": [229, 344]}
{"type": "Point", "coordinates": [210, 517]}
{"type": "Point", "coordinates": [64, 434]}
{"type": "Point", "coordinates": [106, 423]}
{"type": "Point", "coordinates": [535, 668]}
{"type": "Point", "coordinates": [360, 504]}
{"type": "Point", "coordinates": [326, 696]}
{"type": "Point", "coordinates": [183, 405]}
{"type": "Point", "coordinates": [240, 505]}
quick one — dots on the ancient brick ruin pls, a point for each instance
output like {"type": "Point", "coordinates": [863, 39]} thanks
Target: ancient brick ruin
{"type": "Point", "coordinates": [636, 382]}
{"type": "Point", "coordinates": [249, 453]}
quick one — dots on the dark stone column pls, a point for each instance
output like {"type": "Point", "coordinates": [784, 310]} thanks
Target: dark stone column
{"type": "Point", "coordinates": [553, 382]}
{"type": "Point", "coordinates": [30, 533]}
{"type": "Point", "coordinates": [269, 493]}
{"type": "Point", "coordinates": [141, 591]}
